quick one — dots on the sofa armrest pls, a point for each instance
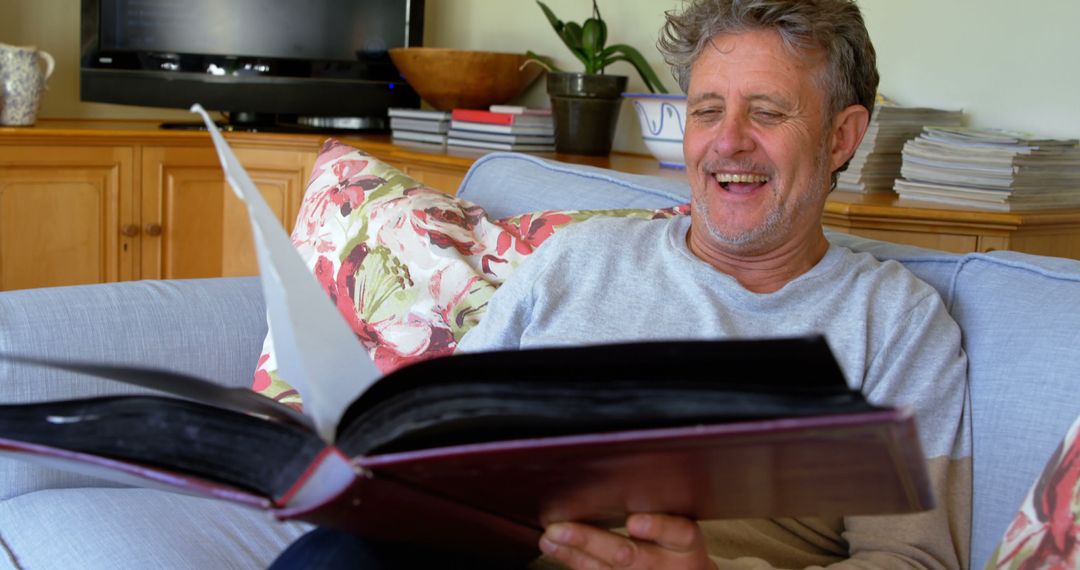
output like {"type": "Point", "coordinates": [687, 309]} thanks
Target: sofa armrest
{"type": "Point", "coordinates": [210, 328]}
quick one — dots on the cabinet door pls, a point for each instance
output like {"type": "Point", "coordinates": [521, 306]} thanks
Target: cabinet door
{"type": "Point", "coordinates": [193, 225]}
{"type": "Point", "coordinates": [62, 210]}
{"type": "Point", "coordinates": [445, 179]}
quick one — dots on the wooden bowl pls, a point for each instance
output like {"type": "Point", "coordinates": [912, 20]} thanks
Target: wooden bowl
{"type": "Point", "coordinates": [450, 78]}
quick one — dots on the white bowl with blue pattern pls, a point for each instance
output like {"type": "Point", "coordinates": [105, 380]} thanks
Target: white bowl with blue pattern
{"type": "Point", "coordinates": [662, 118]}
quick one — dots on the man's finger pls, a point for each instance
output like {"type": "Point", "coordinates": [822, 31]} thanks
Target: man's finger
{"type": "Point", "coordinates": [583, 546]}
{"type": "Point", "coordinates": [673, 533]}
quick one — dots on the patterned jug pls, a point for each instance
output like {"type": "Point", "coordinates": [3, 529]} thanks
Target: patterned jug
{"type": "Point", "coordinates": [22, 81]}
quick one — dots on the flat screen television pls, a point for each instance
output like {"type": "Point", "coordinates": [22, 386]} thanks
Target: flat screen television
{"type": "Point", "coordinates": [266, 64]}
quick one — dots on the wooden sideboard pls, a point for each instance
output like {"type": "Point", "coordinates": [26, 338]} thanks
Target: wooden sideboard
{"type": "Point", "coordinates": [100, 201]}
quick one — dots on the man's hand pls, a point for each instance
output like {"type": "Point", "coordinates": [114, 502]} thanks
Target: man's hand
{"type": "Point", "coordinates": [656, 541]}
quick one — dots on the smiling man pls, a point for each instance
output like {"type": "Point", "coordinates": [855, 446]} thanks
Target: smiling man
{"type": "Point", "coordinates": [779, 96]}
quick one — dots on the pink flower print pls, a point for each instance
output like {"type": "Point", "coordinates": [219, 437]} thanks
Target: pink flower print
{"type": "Point", "coordinates": [447, 216]}
{"type": "Point", "coordinates": [414, 339]}
{"type": "Point", "coordinates": [445, 241]}
{"type": "Point", "coordinates": [680, 210]}
{"type": "Point", "coordinates": [324, 274]}
{"type": "Point", "coordinates": [262, 377]}
{"type": "Point", "coordinates": [332, 149]}
{"type": "Point", "coordinates": [424, 221]}
{"type": "Point", "coordinates": [530, 231]}
{"type": "Point", "coordinates": [350, 189]}
{"type": "Point", "coordinates": [1055, 502]}
{"type": "Point", "coordinates": [347, 194]}
{"type": "Point", "coordinates": [338, 287]}
{"type": "Point", "coordinates": [289, 394]}
{"type": "Point", "coordinates": [488, 260]}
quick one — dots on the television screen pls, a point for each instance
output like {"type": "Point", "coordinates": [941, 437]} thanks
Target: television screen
{"type": "Point", "coordinates": [262, 62]}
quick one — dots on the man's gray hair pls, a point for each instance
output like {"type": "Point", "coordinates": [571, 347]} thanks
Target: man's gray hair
{"type": "Point", "coordinates": [835, 27]}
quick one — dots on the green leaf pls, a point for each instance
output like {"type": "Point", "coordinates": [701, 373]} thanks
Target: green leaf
{"type": "Point", "coordinates": [571, 35]}
{"type": "Point", "coordinates": [602, 41]}
{"type": "Point", "coordinates": [545, 62]}
{"type": "Point", "coordinates": [623, 52]}
{"type": "Point", "coordinates": [591, 34]}
{"type": "Point", "coordinates": [556, 23]}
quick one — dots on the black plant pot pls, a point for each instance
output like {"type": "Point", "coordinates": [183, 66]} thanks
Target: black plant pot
{"type": "Point", "coordinates": [586, 110]}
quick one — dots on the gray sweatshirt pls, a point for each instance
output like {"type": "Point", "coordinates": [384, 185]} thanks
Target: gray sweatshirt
{"type": "Point", "coordinates": [616, 279]}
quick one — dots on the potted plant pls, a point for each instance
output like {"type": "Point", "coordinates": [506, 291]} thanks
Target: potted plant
{"type": "Point", "coordinates": [586, 104]}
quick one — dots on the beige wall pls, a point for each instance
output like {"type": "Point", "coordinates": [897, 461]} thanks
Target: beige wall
{"type": "Point", "coordinates": [53, 25]}
{"type": "Point", "coordinates": [1008, 64]}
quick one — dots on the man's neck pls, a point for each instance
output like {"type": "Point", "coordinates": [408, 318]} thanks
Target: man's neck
{"type": "Point", "coordinates": [766, 271]}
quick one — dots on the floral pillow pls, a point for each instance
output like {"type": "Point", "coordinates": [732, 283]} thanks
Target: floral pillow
{"type": "Point", "coordinates": [1046, 531]}
{"type": "Point", "coordinates": [410, 269]}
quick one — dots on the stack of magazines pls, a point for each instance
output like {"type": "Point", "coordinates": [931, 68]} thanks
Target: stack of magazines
{"type": "Point", "coordinates": [876, 163]}
{"type": "Point", "coordinates": [503, 127]}
{"type": "Point", "coordinates": [991, 169]}
{"type": "Point", "coordinates": [419, 125]}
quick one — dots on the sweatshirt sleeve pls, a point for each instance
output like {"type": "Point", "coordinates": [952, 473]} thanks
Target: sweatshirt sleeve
{"type": "Point", "coordinates": [922, 367]}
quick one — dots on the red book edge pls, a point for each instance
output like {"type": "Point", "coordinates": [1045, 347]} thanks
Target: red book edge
{"type": "Point", "coordinates": [481, 116]}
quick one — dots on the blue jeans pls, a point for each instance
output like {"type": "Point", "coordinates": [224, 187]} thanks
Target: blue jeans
{"type": "Point", "coordinates": [329, 549]}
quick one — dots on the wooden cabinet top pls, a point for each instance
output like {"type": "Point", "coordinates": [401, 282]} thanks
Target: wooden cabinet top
{"type": "Point", "coordinates": [887, 206]}
{"type": "Point", "coordinates": [113, 132]}
{"type": "Point", "coordinates": [842, 207]}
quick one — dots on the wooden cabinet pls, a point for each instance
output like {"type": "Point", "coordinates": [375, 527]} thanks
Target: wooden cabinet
{"type": "Point", "coordinates": [887, 217]}
{"type": "Point", "coordinates": [93, 202]}
{"type": "Point", "coordinates": [193, 225]}
{"type": "Point", "coordinates": [60, 208]}
{"type": "Point", "coordinates": [84, 205]}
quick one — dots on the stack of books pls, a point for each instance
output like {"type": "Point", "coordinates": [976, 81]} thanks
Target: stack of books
{"type": "Point", "coordinates": [503, 127]}
{"type": "Point", "coordinates": [419, 125]}
{"type": "Point", "coordinates": [876, 163]}
{"type": "Point", "coordinates": [991, 169]}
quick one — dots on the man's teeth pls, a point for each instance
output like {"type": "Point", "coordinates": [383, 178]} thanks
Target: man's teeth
{"type": "Point", "coordinates": [741, 178]}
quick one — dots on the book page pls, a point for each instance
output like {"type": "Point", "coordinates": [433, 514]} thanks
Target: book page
{"type": "Point", "coordinates": [317, 352]}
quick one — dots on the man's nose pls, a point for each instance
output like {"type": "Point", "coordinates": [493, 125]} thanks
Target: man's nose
{"type": "Point", "coordinates": [733, 136]}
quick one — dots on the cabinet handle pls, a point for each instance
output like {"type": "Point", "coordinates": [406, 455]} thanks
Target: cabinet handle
{"type": "Point", "coordinates": [153, 229]}
{"type": "Point", "coordinates": [129, 230]}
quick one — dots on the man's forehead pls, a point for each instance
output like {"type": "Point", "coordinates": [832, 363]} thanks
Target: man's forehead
{"type": "Point", "coordinates": [773, 96]}
{"type": "Point", "coordinates": [725, 44]}
{"type": "Point", "coordinates": [755, 64]}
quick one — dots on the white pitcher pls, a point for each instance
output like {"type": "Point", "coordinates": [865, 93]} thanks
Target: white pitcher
{"type": "Point", "coordinates": [22, 82]}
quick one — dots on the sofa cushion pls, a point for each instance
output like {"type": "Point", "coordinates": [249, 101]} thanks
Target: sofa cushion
{"type": "Point", "coordinates": [136, 529]}
{"type": "Point", "coordinates": [1020, 316]}
{"type": "Point", "coordinates": [410, 268]}
{"type": "Point", "coordinates": [178, 325]}
{"type": "Point", "coordinates": [508, 183]}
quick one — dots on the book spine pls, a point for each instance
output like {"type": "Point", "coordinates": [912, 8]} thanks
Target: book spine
{"type": "Point", "coordinates": [481, 116]}
{"type": "Point", "coordinates": [519, 110]}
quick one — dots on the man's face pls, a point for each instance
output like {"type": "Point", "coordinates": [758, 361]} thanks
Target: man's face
{"type": "Point", "coordinates": [757, 146]}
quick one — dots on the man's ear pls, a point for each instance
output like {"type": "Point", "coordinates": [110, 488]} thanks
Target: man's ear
{"type": "Point", "coordinates": [848, 129]}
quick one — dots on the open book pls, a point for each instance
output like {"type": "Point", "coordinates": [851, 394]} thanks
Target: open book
{"type": "Point", "coordinates": [482, 450]}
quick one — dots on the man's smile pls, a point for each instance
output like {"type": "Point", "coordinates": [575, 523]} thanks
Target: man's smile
{"type": "Point", "coordinates": [740, 183]}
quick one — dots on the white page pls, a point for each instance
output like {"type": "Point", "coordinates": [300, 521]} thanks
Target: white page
{"type": "Point", "coordinates": [317, 353]}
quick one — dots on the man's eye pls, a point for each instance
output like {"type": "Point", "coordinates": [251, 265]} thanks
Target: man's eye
{"type": "Point", "coordinates": [768, 116]}
{"type": "Point", "coordinates": [706, 113]}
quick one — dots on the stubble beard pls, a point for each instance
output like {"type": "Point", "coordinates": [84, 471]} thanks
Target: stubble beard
{"type": "Point", "coordinates": [777, 217]}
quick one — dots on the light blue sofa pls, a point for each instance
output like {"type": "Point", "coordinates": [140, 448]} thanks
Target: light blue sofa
{"type": "Point", "coordinates": [1020, 315]}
